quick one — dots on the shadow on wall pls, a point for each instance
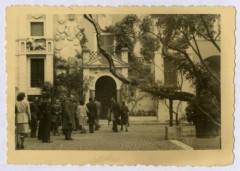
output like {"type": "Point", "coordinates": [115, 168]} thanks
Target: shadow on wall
{"type": "Point", "coordinates": [143, 113]}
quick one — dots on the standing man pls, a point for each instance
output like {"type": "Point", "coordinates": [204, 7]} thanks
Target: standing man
{"type": "Point", "coordinates": [40, 119]}
{"type": "Point", "coordinates": [116, 110]}
{"type": "Point", "coordinates": [124, 116]}
{"type": "Point", "coordinates": [92, 112]}
{"type": "Point", "coordinates": [67, 119]}
{"type": "Point", "coordinates": [46, 118]}
{"type": "Point", "coordinates": [96, 122]}
{"type": "Point", "coordinates": [56, 116]}
{"type": "Point", "coordinates": [34, 116]}
{"type": "Point", "coordinates": [73, 110]}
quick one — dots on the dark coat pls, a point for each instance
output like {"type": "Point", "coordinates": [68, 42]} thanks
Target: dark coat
{"type": "Point", "coordinates": [98, 104]}
{"type": "Point", "coordinates": [116, 109]}
{"type": "Point", "coordinates": [124, 111]}
{"type": "Point", "coordinates": [67, 115]}
{"type": "Point", "coordinates": [92, 110]}
{"type": "Point", "coordinates": [73, 110]}
{"type": "Point", "coordinates": [56, 112]}
{"type": "Point", "coordinates": [46, 120]}
{"type": "Point", "coordinates": [34, 111]}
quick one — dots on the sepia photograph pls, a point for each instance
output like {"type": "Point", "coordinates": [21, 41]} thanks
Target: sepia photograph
{"type": "Point", "coordinates": [124, 81]}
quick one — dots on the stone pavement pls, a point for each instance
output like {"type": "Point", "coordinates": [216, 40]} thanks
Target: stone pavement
{"type": "Point", "coordinates": [139, 137]}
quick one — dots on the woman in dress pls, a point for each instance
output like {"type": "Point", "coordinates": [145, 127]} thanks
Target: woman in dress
{"type": "Point", "coordinates": [124, 116]}
{"type": "Point", "coordinates": [82, 111]}
{"type": "Point", "coordinates": [22, 119]}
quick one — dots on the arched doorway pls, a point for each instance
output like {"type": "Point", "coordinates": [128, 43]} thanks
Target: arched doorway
{"type": "Point", "coordinates": [105, 89]}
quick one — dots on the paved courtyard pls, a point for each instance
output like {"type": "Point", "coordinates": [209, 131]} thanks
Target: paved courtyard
{"type": "Point", "coordinates": [139, 137]}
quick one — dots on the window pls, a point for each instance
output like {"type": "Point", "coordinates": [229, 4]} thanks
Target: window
{"type": "Point", "coordinates": [107, 42]}
{"type": "Point", "coordinates": [170, 73]}
{"type": "Point", "coordinates": [37, 72]}
{"type": "Point", "coordinates": [37, 29]}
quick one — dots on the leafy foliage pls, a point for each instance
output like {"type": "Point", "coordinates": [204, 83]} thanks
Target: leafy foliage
{"type": "Point", "coordinates": [176, 34]}
{"type": "Point", "coordinates": [124, 33]}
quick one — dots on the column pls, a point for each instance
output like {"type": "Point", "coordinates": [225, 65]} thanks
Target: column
{"type": "Point", "coordinates": [86, 55]}
{"type": "Point", "coordinates": [124, 54]}
{"type": "Point", "coordinates": [159, 66]}
{"type": "Point", "coordinates": [48, 26]}
{"type": "Point", "coordinates": [95, 48]}
{"type": "Point", "coordinates": [119, 96]}
{"type": "Point", "coordinates": [23, 81]}
{"type": "Point", "coordinates": [48, 73]}
{"type": "Point", "coordinates": [92, 93]}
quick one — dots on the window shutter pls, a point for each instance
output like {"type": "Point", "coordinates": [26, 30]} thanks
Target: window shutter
{"type": "Point", "coordinates": [170, 73]}
{"type": "Point", "coordinates": [107, 43]}
{"type": "Point", "coordinates": [37, 29]}
{"type": "Point", "coordinates": [37, 72]}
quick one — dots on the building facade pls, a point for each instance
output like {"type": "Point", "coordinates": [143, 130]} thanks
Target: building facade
{"type": "Point", "coordinates": [41, 38]}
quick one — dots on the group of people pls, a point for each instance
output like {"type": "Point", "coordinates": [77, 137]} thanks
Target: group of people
{"type": "Point", "coordinates": [41, 116]}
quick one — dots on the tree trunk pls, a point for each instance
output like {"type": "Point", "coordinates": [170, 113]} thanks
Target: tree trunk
{"type": "Point", "coordinates": [171, 112]}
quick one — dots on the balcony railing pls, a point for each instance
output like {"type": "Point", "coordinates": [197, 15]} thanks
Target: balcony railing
{"type": "Point", "coordinates": [38, 45]}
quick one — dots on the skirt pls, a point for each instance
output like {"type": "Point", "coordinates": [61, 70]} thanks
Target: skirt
{"type": "Point", "coordinates": [82, 120]}
{"type": "Point", "coordinates": [124, 120]}
{"type": "Point", "coordinates": [22, 128]}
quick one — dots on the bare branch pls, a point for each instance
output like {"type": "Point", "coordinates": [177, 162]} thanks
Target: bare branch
{"type": "Point", "coordinates": [106, 54]}
{"type": "Point", "coordinates": [209, 34]}
{"type": "Point", "coordinates": [202, 61]}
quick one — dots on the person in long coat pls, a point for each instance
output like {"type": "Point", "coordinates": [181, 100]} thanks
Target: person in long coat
{"type": "Point", "coordinates": [67, 119]}
{"type": "Point", "coordinates": [22, 120]}
{"type": "Point", "coordinates": [82, 111]}
{"type": "Point", "coordinates": [124, 116]}
{"type": "Point", "coordinates": [92, 112]}
{"type": "Point", "coordinates": [34, 116]}
{"type": "Point", "coordinates": [98, 105]}
{"type": "Point", "coordinates": [46, 118]}
{"type": "Point", "coordinates": [116, 111]}
{"type": "Point", "coordinates": [56, 116]}
{"type": "Point", "coordinates": [40, 119]}
{"type": "Point", "coordinates": [73, 110]}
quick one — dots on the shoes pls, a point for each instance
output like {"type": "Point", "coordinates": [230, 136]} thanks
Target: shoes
{"type": "Point", "coordinates": [18, 146]}
{"type": "Point", "coordinates": [97, 127]}
{"type": "Point", "coordinates": [68, 138]}
{"type": "Point", "coordinates": [126, 130]}
{"type": "Point", "coordinates": [47, 141]}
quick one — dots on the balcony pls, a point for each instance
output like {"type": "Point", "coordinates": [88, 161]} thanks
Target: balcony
{"type": "Point", "coordinates": [38, 45]}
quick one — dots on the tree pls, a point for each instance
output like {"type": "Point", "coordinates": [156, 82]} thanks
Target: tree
{"type": "Point", "coordinates": [176, 34]}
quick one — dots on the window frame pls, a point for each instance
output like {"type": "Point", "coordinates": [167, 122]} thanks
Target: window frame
{"type": "Point", "coordinates": [114, 41]}
{"type": "Point", "coordinates": [30, 57]}
{"type": "Point", "coordinates": [37, 21]}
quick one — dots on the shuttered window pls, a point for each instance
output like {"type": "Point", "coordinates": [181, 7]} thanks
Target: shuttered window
{"type": "Point", "coordinates": [107, 42]}
{"type": "Point", "coordinates": [37, 29]}
{"type": "Point", "coordinates": [37, 72]}
{"type": "Point", "coordinates": [170, 73]}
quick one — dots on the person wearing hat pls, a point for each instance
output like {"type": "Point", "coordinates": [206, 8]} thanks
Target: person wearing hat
{"type": "Point", "coordinates": [115, 110]}
{"type": "Point", "coordinates": [46, 117]}
{"type": "Point", "coordinates": [92, 113]}
{"type": "Point", "coordinates": [96, 122]}
{"type": "Point", "coordinates": [34, 114]}
{"type": "Point", "coordinates": [67, 118]}
{"type": "Point", "coordinates": [22, 119]}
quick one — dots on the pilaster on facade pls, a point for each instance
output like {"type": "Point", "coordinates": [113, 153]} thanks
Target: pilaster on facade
{"type": "Point", "coordinates": [159, 66]}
